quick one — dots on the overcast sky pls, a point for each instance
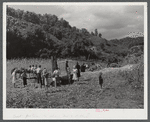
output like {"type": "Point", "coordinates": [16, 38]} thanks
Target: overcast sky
{"type": "Point", "coordinates": [112, 21]}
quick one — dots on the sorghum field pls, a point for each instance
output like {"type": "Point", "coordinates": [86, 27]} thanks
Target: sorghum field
{"type": "Point", "coordinates": [123, 88]}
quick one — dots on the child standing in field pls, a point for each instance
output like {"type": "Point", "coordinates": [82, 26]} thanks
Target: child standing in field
{"type": "Point", "coordinates": [100, 79]}
{"type": "Point", "coordinates": [45, 78]}
{"type": "Point", "coordinates": [75, 78]}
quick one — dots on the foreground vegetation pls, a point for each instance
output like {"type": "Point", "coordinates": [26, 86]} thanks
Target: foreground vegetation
{"type": "Point", "coordinates": [120, 89]}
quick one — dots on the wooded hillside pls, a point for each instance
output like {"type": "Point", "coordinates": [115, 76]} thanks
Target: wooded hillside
{"type": "Point", "coordinates": [35, 35]}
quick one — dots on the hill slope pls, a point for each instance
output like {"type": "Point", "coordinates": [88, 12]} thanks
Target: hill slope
{"type": "Point", "coordinates": [53, 36]}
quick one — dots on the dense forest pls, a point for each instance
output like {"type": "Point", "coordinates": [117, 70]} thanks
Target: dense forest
{"type": "Point", "coordinates": [32, 35]}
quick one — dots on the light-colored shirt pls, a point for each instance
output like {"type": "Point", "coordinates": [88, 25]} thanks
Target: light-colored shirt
{"type": "Point", "coordinates": [34, 69]}
{"type": "Point", "coordinates": [56, 73]}
{"type": "Point", "coordinates": [44, 71]}
{"type": "Point", "coordinates": [38, 70]}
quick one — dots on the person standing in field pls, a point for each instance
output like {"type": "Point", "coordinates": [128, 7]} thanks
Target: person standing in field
{"type": "Point", "coordinates": [100, 79]}
{"type": "Point", "coordinates": [35, 67]}
{"type": "Point", "coordinates": [24, 78]}
{"type": "Point", "coordinates": [45, 78]}
{"type": "Point", "coordinates": [35, 74]}
{"type": "Point", "coordinates": [75, 71]}
{"type": "Point", "coordinates": [29, 70]}
{"type": "Point", "coordinates": [32, 67]}
{"type": "Point", "coordinates": [83, 67]}
{"type": "Point", "coordinates": [14, 77]}
{"type": "Point", "coordinates": [32, 70]}
{"type": "Point", "coordinates": [39, 75]}
{"type": "Point", "coordinates": [66, 65]}
{"type": "Point", "coordinates": [78, 70]}
{"type": "Point", "coordinates": [69, 75]}
{"type": "Point", "coordinates": [56, 74]}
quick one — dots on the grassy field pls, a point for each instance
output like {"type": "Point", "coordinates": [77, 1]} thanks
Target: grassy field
{"type": "Point", "coordinates": [117, 92]}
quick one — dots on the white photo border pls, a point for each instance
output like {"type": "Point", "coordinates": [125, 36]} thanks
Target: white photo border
{"type": "Point", "coordinates": [80, 114]}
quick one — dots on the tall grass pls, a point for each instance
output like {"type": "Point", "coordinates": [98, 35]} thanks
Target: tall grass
{"type": "Point", "coordinates": [134, 77]}
{"type": "Point", "coordinates": [83, 94]}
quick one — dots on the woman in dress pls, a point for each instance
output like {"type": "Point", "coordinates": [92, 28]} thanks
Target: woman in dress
{"type": "Point", "coordinates": [75, 78]}
{"type": "Point", "coordinates": [78, 70]}
{"type": "Point", "coordinates": [56, 78]}
{"type": "Point", "coordinates": [14, 77]}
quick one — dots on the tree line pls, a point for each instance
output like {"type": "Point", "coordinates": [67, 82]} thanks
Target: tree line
{"type": "Point", "coordinates": [35, 35]}
{"type": "Point", "coordinates": [32, 35]}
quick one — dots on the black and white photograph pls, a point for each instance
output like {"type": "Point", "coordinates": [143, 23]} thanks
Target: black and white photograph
{"type": "Point", "coordinates": [75, 60]}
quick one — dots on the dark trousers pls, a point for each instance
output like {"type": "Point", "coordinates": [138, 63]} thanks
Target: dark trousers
{"type": "Point", "coordinates": [39, 78]}
{"type": "Point", "coordinates": [69, 77]}
{"type": "Point", "coordinates": [43, 79]}
{"type": "Point", "coordinates": [24, 81]}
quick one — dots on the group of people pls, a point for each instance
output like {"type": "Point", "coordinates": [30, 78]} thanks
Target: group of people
{"type": "Point", "coordinates": [75, 72]}
{"type": "Point", "coordinates": [34, 72]}
{"type": "Point", "coordinates": [40, 76]}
